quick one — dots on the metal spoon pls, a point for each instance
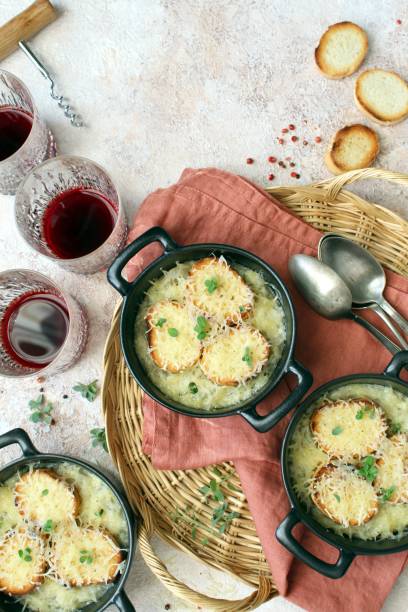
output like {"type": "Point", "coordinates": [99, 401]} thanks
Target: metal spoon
{"type": "Point", "coordinates": [329, 295]}
{"type": "Point", "coordinates": [361, 272]}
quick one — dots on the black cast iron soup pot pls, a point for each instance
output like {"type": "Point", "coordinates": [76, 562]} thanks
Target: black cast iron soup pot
{"type": "Point", "coordinates": [135, 292]}
{"type": "Point", "coordinates": [115, 594]}
{"type": "Point", "coordinates": [348, 547]}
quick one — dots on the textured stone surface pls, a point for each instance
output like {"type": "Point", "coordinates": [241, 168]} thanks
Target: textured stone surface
{"type": "Point", "coordinates": [165, 85]}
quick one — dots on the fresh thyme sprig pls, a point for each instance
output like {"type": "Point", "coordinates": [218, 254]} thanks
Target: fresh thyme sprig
{"type": "Point", "coordinates": [88, 391]}
{"type": "Point", "coordinates": [98, 436]}
{"type": "Point", "coordinates": [41, 410]}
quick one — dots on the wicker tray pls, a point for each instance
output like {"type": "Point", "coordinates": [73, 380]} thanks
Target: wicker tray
{"type": "Point", "coordinates": [157, 495]}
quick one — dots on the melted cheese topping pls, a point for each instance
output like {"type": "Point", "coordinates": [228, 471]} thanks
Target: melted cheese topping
{"type": "Point", "coordinates": [99, 509]}
{"type": "Point", "coordinates": [40, 496]}
{"type": "Point", "coordinates": [391, 520]}
{"type": "Point", "coordinates": [82, 556]}
{"type": "Point", "coordinates": [9, 515]}
{"type": "Point", "coordinates": [343, 495]}
{"type": "Point", "coordinates": [349, 429]}
{"type": "Point", "coordinates": [393, 469]}
{"type": "Point", "coordinates": [267, 316]}
{"type": "Point", "coordinates": [22, 561]}
{"type": "Point", "coordinates": [230, 296]}
{"type": "Point", "coordinates": [235, 356]}
{"type": "Point", "coordinates": [174, 345]}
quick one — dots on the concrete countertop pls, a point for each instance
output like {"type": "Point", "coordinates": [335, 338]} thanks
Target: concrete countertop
{"type": "Point", "coordinates": [163, 85]}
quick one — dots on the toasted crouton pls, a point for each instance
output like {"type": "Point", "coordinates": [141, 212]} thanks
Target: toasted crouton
{"type": "Point", "coordinates": [342, 495]}
{"type": "Point", "coordinates": [382, 95]}
{"type": "Point", "coordinates": [42, 495]}
{"type": "Point", "coordinates": [235, 356]}
{"type": "Point", "coordinates": [22, 562]}
{"type": "Point", "coordinates": [392, 476]}
{"type": "Point", "coordinates": [219, 291]}
{"type": "Point", "coordinates": [174, 345]}
{"type": "Point", "coordinates": [83, 555]}
{"type": "Point", "coordinates": [354, 146]}
{"type": "Point", "coordinates": [348, 428]}
{"type": "Point", "coordinates": [341, 50]}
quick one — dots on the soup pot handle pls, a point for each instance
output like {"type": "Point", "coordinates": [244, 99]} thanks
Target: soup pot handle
{"type": "Point", "coordinates": [154, 234]}
{"type": "Point", "coordinates": [396, 364]}
{"type": "Point", "coordinates": [20, 437]}
{"type": "Point", "coordinates": [331, 570]}
{"type": "Point", "coordinates": [123, 603]}
{"type": "Point", "coordinates": [265, 423]}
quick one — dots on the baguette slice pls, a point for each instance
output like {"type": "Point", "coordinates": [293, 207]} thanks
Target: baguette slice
{"type": "Point", "coordinates": [392, 475]}
{"type": "Point", "coordinates": [382, 95]}
{"type": "Point", "coordinates": [22, 562]}
{"type": "Point", "coordinates": [354, 146]}
{"type": "Point", "coordinates": [42, 495]}
{"type": "Point", "coordinates": [83, 555]}
{"type": "Point", "coordinates": [342, 495]}
{"type": "Point", "coordinates": [341, 50]}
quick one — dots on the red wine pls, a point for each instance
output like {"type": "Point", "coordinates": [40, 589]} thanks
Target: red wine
{"type": "Point", "coordinates": [15, 126]}
{"type": "Point", "coordinates": [34, 328]}
{"type": "Point", "coordinates": [77, 222]}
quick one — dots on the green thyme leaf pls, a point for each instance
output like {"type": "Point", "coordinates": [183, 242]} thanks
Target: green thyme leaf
{"type": "Point", "coordinates": [202, 327]}
{"type": "Point", "coordinates": [160, 322]}
{"type": "Point", "coordinates": [173, 332]}
{"type": "Point", "coordinates": [21, 553]}
{"type": "Point", "coordinates": [337, 430]}
{"type": "Point", "coordinates": [368, 469]}
{"type": "Point", "coordinates": [241, 309]}
{"type": "Point", "coordinates": [387, 493]}
{"type": "Point", "coordinates": [34, 404]}
{"type": "Point", "coordinates": [48, 526]}
{"type": "Point", "coordinates": [98, 436]}
{"type": "Point", "coordinates": [337, 497]}
{"type": "Point", "coordinates": [44, 492]}
{"type": "Point", "coordinates": [88, 391]}
{"type": "Point", "coordinates": [247, 357]}
{"type": "Point", "coordinates": [395, 428]}
{"type": "Point", "coordinates": [41, 410]}
{"type": "Point", "coordinates": [192, 387]}
{"type": "Point", "coordinates": [217, 472]}
{"type": "Point", "coordinates": [211, 284]}
{"type": "Point", "coordinates": [204, 541]}
{"type": "Point", "coordinates": [99, 512]}
{"type": "Point", "coordinates": [359, 415]}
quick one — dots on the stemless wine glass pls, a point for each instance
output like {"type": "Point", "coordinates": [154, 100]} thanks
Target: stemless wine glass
{"type": "Point", "coordinates": [39, 144]}
{"type": "Point", "coordinates": [51, 182]}
{"type": "Point", "coordinates": [42, 344]}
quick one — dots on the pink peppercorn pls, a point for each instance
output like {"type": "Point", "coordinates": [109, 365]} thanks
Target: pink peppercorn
{"type": "Point", "coordinates": [250, 160]}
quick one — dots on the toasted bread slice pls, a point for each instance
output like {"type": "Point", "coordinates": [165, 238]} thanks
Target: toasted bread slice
{"type": "Point", "coordinates": [42, 495]}
{"type": "Point", "coordinates": [22, 562]}
{"type": "Point", "coordinates": [219, 291]}
{"type": "Point", "coordinates": [392, 477]}
{"type": "Point", "coordinates": [83, 555]}
{"type": "Point", "coordinates": [382, 95]}
{"type": "Point", "coordinates": [341, 50]}
{"type": "Point", "coordinates": [348, 428]}
{"type": "Point", "coordinates": [235, 356]}
{"type": "Point", "coordinates": [342, 495]}
{"type": "Point", "coordinates": [174, 345]}
{"type": "Point", "coordinates": [354, 146]}
{"type": "Point", "coordinates": [9, 515]}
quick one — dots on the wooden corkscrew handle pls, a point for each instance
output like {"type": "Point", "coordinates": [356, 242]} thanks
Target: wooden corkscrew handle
{"type": "Point", "coordinates": [25, 25]}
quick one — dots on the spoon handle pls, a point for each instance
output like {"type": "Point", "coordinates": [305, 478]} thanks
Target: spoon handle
{"type": "Point", "coordinates": [380, 312]}
{"type": "Point", "coordinates": [390, 310]}
{"type": "Point", "coordinates": [389, 344]}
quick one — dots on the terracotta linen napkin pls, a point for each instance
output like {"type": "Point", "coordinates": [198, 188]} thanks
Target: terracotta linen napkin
{"type": "Point", "coordinates": [210, 205]}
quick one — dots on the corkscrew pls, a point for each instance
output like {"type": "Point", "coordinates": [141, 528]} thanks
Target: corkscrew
{"type": "Point", "coordinates": [61, 101]}
{"type": "Point", "coordinates": [13, 35]}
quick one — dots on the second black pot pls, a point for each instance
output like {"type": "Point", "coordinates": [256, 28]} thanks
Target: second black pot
{"type": "Point", "coordinates": [134, 293]}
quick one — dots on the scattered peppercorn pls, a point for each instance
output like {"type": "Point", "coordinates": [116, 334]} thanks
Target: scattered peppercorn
{"type": "Point", "coordinates": [64, 396]}
{"type": "Point", "coordinates": [292, 127]}
{"type": "Point", "coordinates": [282, 164]}
{"type": "Point", "coordinates": [292, 164]}
{"type": "Point", "coordinates": [249, 160]}
{"type": "Point", "coordinates": [271, 159]}
{"type": "Point", "coordinates": [399, 21]}
{"type": "Point", "coordinates": [305, 143]}
{"type": "Point", "coordinates": [271, 177]}
{"type": "Point", "coordinates": [295, 175]}
{"type": "Point", "coordinates": [167, 607]}
{"type": "Point", "coordinates": [285, 130]}
{"type": "Point", "coordinates": [288, 158]}
{"type": "Point", "coordinates": [41, 389]}
{"type": "Point", "coordinates": [280, 140]}
{"type": "Point", "coordinates": [318, 139]}
{"type": "Point", "coordinates": [294, 138]}
{"type": "Point", "coordinates": [41, 379]}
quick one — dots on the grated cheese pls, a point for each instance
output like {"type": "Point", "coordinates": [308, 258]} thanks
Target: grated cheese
{"type": "Point", "coordinates": [392, 468]}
